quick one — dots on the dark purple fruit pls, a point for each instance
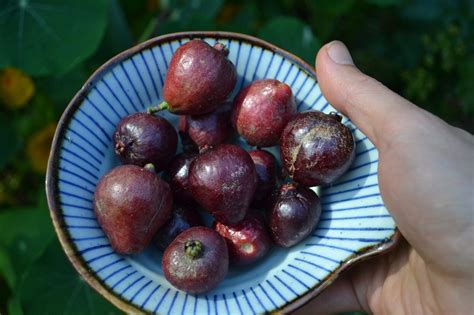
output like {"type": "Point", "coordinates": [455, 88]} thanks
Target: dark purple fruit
{"type": "Point", "coordinates": [199, 79]}
{"type": "Point", "coordinates": [196, 261]}
{"type": "Point", "coordinates": [177, 175]}
{"type": "Point", "coordinates": [294, 214]}
{"type": "Point", "coordinates": [142, 138]}
{"type": "Point", "coordinates": [182, 218]}
{"type": "Point", "coordinates": [223, 181]}
{"type": "Point", "coordinates": [247, 241]}
{"type": "Point", "coordinates": [266, 167]}
{"type": "Point", "coordinates": [262, 110]}
{"type": "Point", "coordinates": [209, 129]}
{"type": "Point", "coordinates": [316, 148]}
{"type": "Point", "coordinates": [131, 203]}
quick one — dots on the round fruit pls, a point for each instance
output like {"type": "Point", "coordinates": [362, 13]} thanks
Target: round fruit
{"type": "Point", "coordinates": [209, 129]}
{"type": "Point", "coordinates": [247, 241]}
{"type": "Point", "coordinates": [262, 110]}
{"type": "Point", "coordinates": [142, 138]}
{"type": "Point", "coordinates": [182, 218]}
{"type": "Point", "coordinates": [131, 203]}
{"type": "Point", "coordinates": [199, 79]}
{"type": "Point", "coordinates": [223, 181]}
{"type": "Point", "coordinates": [316, 148]}
{"type": "Point", "coordinates": [177, 175]}
{"type": "Point", "coordinates": [294, 215]}
{"type": "Point", "coordinates": [196, 261]}
{"type": "Point", "coordinates": [265, 165]}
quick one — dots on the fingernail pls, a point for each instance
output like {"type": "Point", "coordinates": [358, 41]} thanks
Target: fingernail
{"type": "Point", "coordinates": [338, 53]}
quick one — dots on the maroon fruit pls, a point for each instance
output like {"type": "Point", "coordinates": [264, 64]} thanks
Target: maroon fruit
{"type": "Point", "coordinates": [196, 261]}
{"type": "Point", "coordinates": [177, 175]}
{"type": "Point", "coordinates": [142, 138]}
{"type": "Point", "coordinates": [316, 148]}
{"type": "Point", "coordinates": [294, 214]}
{"type": "Point", "coordinates": [223, 180]}
{"type": "Point", "coordinates": [266, 168]}
{"type": "Point", "coordinates": [262, 110]}
{"type": "Point", "coordinates": [209, 129]}
{"type": "Point", "coordinates": [182, 218]}
{"type": "Point", "coordinates": [199, 79]}
{"type": "Point", "coordinates": [247, 241]}
{"type": "Point", "coordinates": [131, 204]}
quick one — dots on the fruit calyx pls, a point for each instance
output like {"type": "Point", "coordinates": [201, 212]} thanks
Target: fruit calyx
{"type": "Point", "coordinates": [289, 190]}
{"type": "Point", "coordinates": [121, 146]}
{"type": "Point", "coordinates": [155, 109]}
{"type": "Point", "coordinates": [335, 116]}
{"type": "Point", "coordinates": [222, 48]}
{"type": "Point", "coordinates": [150, 167]}
{"type": "Point", "coordinates": [193, 249]}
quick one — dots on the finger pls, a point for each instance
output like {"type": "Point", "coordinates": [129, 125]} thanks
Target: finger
{"type": "Point", "coordinates": [338, 297]}
{"type": "Point", "coordinates": [374, 108]}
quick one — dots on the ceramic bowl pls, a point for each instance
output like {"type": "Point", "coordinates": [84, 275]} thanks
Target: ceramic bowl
{"type": "Point", "coordinates": [354, 224]}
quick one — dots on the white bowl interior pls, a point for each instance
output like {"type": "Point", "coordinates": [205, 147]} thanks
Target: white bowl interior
{"type": "Point", "coordinates": [353, 218]}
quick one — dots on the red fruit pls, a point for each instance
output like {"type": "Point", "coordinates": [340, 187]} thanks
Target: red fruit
{"type": "Point", "coordinates": [265, 165]}
{"type": "Point", "coordinates": [196, 261]}
{"type": "Point", "coordinates": [182, 218]}
{"type": "Point", "coordinates": [316, 148]}
{"type": "Point", "coordinates": [262, 110]}
{"type": "Point", "coordinates": [177, 174]}
{"type": "Point", "coordinates": [247, 241]}
{"type": "Point", "coordinates": [294, 215]}
{"type": "Point", "coordinates": [199, 78]}
{"type": "Point", "coordinates": [131, 203]}
{"type": "Point", "coordinates": [142, 138]}
{"type": "Point", "coordinates": [223, 181]}
{"type": "Point", "coordinates": [209, 129]}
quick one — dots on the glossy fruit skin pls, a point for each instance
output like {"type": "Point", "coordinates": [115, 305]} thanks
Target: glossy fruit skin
{"type": "Point", "coordinates": [142, 138]}
{"type": "Point", "coordinates": [247, 241]}
{"type": "Point", "coordinates": [182, 218]}
{"type": "Point", "coordinates": [209, 129]}
{"type": "Point", "coordinates": [261, 111]}
{"type": "Point", "coordinates": [177, 174]}
{"type": "Point", "coordinates": [316, 148]}
{"type": "Point", "coordinates": [199, 79]}
{"type": "Point", "coordinates": [131, 203]}
{"type": "Point", "coordinates": [294, 215]}
{"type": "Point", "coordinates": [223, 181]}
{"type": "Point", "coordinates": [266, 167]}
{"type": "Point", "coordinates": [201, 274]}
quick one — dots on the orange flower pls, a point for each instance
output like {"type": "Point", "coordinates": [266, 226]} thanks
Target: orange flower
{"type": "Point", "coordinates": [38, 147]}
{"type": "Point", "coordinates": [16, 88]}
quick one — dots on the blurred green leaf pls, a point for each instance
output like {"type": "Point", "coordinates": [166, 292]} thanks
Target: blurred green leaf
{"type": "Point", "coordinates": [184, 9]}
{"type": "Point", "coordinates": [9, 140]}
{"type": "Point", "coordinates": [6, 268]}
{"type": "Point", "coordinates": [53, 286]}
{"type": "Point", "coordinates": [14, 305]}
{"type": "Point", "coordinates": [466, 86]}
{"type": "Point", "coordinates": [59, 92]}
{"type": "Point", "coordinates": [50, 36]}
{"type": "Point", "coordinates": [292, 35]}
{"type": "Point", "coordinates": [383, 3]}
{"type": "Point", "coordinates": [24, 234]}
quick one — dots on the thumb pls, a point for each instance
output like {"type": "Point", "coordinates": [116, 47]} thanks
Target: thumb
{"type": "Point", "coordinates": [374, 108]}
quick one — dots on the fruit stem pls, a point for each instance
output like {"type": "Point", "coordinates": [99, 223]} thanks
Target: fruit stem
{"type": "Point", "coordinates": [222, 48]}
{"type": "Point", "coordinates": [154, 109]}
{"type": "Point", "coordinates": [336, 116]}
{"type": "Point", "coordinates": [193, 249]}
{"type": "Point", "coordinates": [150, 167]}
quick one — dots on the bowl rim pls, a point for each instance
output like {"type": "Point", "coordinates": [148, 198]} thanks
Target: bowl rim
{"type": "Point", "coordinates": [51, 183]}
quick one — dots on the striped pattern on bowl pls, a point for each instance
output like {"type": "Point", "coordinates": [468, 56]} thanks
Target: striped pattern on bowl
{"type": "Point", "coordinates": [354, 220]}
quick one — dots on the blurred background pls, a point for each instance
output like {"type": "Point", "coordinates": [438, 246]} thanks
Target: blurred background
{"type": "Point", "coordinates": [422, 49]}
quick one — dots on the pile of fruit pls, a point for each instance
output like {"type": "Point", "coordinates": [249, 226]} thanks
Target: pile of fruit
{"type": "Point", "coordinates": [135, 207]}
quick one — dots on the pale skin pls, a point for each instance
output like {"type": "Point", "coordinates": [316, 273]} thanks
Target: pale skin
{"type": "Point", "coordinates": [426, 176]}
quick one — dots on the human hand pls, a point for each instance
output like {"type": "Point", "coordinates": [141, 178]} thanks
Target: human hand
{"type": "Point", "coordinates": [426, 178]}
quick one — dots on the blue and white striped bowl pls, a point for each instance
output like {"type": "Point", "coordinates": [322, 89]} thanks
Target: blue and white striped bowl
{"type": "Point", "coordinates": [354, 225]}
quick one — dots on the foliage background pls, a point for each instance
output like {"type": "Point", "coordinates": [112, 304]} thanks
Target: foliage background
{"type": "Point", "coordinates": [48, 48]}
